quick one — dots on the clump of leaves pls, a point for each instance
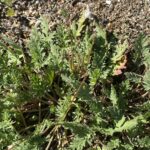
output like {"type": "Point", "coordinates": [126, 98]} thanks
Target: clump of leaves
{"type": "Point", "coordinates": [61, 91]}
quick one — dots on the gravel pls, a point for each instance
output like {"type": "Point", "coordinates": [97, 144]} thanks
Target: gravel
{"type": "Point", "coordinates": [126, 18]}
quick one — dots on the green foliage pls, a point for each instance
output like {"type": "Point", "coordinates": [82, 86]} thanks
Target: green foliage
{"type": "Point", "coordinates": [133, 77]}
{"type": "Point", "coordinates": [10, 11]}
{"type": "Point", "coordinates": [83, 135]}
{"type": "Point", "coordinates": [146, 80]}
{"type": "Point", "coordinates": [113, 96]}
{"type": "Point", "coordinates": [7, 132]}
{"type": "Point", "coordinates": [61, 90]}
{"type": "Point", "coordinates": [142, 57]}
{"type": "Point", "coordinates": [142, 49]}
{"type": "Point", "coordinates": [8, 2]}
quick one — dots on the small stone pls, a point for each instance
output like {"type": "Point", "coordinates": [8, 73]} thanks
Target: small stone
{"type": "Point", "coordinates": [108, 2]}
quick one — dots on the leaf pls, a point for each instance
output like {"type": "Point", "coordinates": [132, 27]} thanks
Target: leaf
{"type": "Point", "coordinates": [102, 34]}
{"type": "Point", "coordinates": [10, 42]}
{"type": "Point", "coordinates": [79, 129]}
{"type": "Point", "coordinates": [118, 54]}
{"type": "Point", "coordinates": [145, 106]}
{"type": "Point", "coordinates": [113, 144]}
{"type": "Point", "coordinates": [120, 122]}
{"type": "Point", "coordinates": [79, 143]}
{"type": "Point", "coordinates": [8, 2]}
{"type": "Point", "coordinates": [133, 77]}
{"type": "Point", "coordinates": [144, 142]}
{"type": "Point", "coordinates": [62, 108]}
{"type": "Point", "coordinates": [81, 23]}
{"type": "Point", "coordinates": [13, 59]}
{"type": "Point", "coordinates": [113, 96]}
{"type": "Point", "coordinates": [50, 76]}
{"type": "Point", "coordinates": [126, 126]}
{"type": "Point", "coordinates": [44, 25]}
{"type": "Point", "coordinates": [8, 134]}
{"type": "Point", "coordinates": [94, 76]}
{"type": "Point", "coordinates": [146, 80]}
{"type": "Point", "coordinates": [45, 124]}
{"type": "Point", "coordinates": [70, 81]}
{"type": "Point", "coordinates": [130, 124]}
{"type": "Point", "coordinates": [10, 12]}
{"type": "Point", "coordinates": [142, 47]}
{"type": "Point", "coordinates": [83, 135]}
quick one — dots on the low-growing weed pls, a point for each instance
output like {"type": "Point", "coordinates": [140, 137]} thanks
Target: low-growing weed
{"type": "Point", "coordinates": [72, 89]}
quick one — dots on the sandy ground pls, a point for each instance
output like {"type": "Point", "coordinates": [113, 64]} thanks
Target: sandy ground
{"type": "Point", "coordinates": [126, 18]}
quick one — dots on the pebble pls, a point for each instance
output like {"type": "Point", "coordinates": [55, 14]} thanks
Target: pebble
{"type": "Point", "coordinates": [108, 2]}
